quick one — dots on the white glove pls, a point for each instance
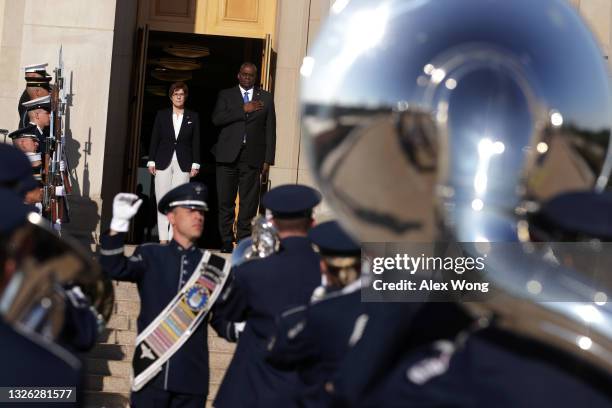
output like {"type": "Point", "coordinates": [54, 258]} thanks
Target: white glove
{"type": "Point", "coordinates": [125, 206]}
{"type": "Point", "coordinates": [239, 328]}
{"type": "Point", "coordinates": [62, 165]}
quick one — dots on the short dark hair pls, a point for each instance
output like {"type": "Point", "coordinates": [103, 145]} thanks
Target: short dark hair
{"type": "Point", "coordinates": [301, 224]}
{"type": "Point", "coordinates": [248, 64]}
{"type": "Point", "coordinates": [178, 86]}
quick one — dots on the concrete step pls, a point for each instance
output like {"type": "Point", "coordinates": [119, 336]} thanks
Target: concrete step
{"type": "Point", "coordinates": [111, 352]}
{"type": "Point", "coordinates": [219, 360]}
{"type": "Point", "coordinates": [101, 399]}
{"type": "Point", "coordinates": [107, 384]}
{"type": "Point", "coordinates": [217, 344]}
{"type": "Point", "coordinates": [122, 322]}
{"type": "Point", "coordinates": [127, 307]}
{"type": "Point", "coordinates": [113, 336]}
{"type": "Point", "coordinates": [114, 368]}
{"type": "Point", "coordinates": [125, 291]}
{"type": "Point", "coordinates": [123, 368]}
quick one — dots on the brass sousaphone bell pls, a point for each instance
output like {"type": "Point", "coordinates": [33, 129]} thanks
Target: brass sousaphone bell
{"type": "Point", "coordinates": [461, 121]}
{"type": "Point", "coordinates": [42, 266]}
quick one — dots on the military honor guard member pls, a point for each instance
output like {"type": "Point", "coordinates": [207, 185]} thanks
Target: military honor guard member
{"type": "Point", "coordinates": [28, 359]}
{"type": "Point", "coordinates": [27, 141]}
{"type": "Point", "coordinates": [37, 86]}
{"type": "Point", "coordinates": [39, 113]}
{"type": "Point", "coordinates": [260, 291]}
{"type": "Point", "coordinates": [314, 339]}
{"type": "Point", "coordinates": [160, 271]}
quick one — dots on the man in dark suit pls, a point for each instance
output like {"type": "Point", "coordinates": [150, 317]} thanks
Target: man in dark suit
{"type": "Point", "coordinates": [244, 152]}
{"type": "Point", "coordinates": [174, 153]}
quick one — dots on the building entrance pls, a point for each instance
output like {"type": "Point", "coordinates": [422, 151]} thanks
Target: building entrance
{"type": "Point", "coordinates": [207, 64]}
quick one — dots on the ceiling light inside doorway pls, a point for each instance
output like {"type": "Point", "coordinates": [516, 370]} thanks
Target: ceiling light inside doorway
{"type": "Point", "coordinates": [178, 64]}
{"type": "Point", "coordinates": [186, 50]}
{"type": "Point", "coordinates": [157, 90]}
{"type": "Point", "coordinates": [168, 75]}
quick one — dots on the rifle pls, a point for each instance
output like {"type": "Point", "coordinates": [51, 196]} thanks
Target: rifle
{"type": "Point", "coordinates": [55, 177]}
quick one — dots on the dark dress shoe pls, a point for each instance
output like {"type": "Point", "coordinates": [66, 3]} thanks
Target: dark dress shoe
{"type": "Point", "coordinates": [227, 249]}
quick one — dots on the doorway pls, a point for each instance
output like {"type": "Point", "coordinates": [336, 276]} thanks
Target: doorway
{"type": "Point", "coordinates": [215, 72]}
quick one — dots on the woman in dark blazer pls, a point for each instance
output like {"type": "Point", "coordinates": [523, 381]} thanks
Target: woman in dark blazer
{"type": "Point", "coordinates": [174, 153]}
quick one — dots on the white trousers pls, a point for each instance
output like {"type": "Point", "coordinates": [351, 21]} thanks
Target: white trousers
{"type": "Point", "coordinates": [166, 180]}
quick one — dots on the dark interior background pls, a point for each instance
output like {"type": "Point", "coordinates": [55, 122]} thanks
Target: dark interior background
{"type": "Point", "coordinates": [218, 71]}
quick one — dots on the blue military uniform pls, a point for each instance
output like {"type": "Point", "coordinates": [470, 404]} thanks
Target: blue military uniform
{"type": "Point", "coordinates": [260, 290]}
{"type": "Point", "coordinates": [392, 330]}
{"type": "Point", "coordinates": [81, 325]}
{"type": "Point", "coordinates": [491, 369]}
{"type": "Point", "coordinates": [29, 360]}
{"type": "Point", "coordinates": [160, 271]}
{"type": "Point", "coordinates": [15, 171]}
{"type": "Point", "coordinates": [314, 339]}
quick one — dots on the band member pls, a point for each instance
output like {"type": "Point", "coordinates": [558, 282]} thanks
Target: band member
{"type": "Point", "coordinates": [16, 171]}
{"type": "Point", "coordinates": [82, 324]}
{"type": "Point", "coordinates": [28, 359]}
{"type": "Point", "coordinates": [244, 152]}
{"type": "Point", "coordinates": [314, 339]}
{"type": "Point", "coordinates": [174, 152]}
{"type": "Point", "coordinates": [261, 289]}
{"type": "Point", "coordinates": [37, 86]}
{"type": "Point", "coordinates": [160, 271]}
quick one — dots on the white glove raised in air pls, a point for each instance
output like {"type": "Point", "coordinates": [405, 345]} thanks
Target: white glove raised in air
{"type": "Point", "coordinates": [125, 206]}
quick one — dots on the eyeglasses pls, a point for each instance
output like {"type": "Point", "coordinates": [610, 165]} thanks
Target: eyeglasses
{"type": "Point", "coordinates": [178, 95]}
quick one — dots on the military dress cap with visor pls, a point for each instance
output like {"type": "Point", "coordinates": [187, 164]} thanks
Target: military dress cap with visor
{"type": "Point", "coordinates": [26, 132]}
{"type": "Point", "coordinates": [44, 102]}
{"type": "Point", "coordinates": [37, 68]}
{"type": "Point", "coordinates": [189, 195]}
{"type": "Point", "coordinates": [291, 201]}
{"type": "Point", "coordinates": [338, 250]}
{"type": "Point", "coordinates": [15, 170]}
{"type": "Point", "coordinates": [41, 81]}
{"type": "Point", "coordinates": [331, 240]}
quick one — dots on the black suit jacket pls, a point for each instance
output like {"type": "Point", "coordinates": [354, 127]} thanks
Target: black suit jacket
{"type": "Point", "coordinates": [259, 127]}
{"type": "Point", "coordinates": [163, 142]}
